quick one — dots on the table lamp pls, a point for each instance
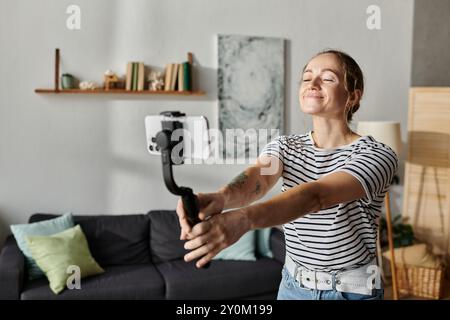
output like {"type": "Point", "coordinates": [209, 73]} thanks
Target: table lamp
{"type": "Point", "coordinates": [387, 132]}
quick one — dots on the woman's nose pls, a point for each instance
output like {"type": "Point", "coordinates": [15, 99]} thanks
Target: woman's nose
{"type": "Point", "coordinates": [315, 83]}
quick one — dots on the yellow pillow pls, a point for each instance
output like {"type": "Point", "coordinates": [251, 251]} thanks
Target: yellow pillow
{"type": "Point", "coordinates": [56, 253]}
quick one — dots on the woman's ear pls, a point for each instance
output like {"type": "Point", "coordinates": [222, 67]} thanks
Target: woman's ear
{"type": "Point", "coordinates": [355, 97]}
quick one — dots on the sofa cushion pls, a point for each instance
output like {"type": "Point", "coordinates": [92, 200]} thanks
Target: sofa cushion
{"type": "Point", "coordinates": [55, 254]}
{"type": "Point", "coordinates": [241, 250]}
{"type": "Point", "coordinates": [113, 239]}
{"type": "Point", "coordinates": [118, 282]}
{"type": "Point", "coordinates": [222, 280]}
{"type": "Point", "coordinates": [263, 248]}
{"type": "Point", "coordinates": [42, 228]}
{"type": "Point", "coordinates": [165, 243]}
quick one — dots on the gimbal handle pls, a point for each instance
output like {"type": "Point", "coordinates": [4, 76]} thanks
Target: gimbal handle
{"type": "Point", "coordinates": [191, 206]}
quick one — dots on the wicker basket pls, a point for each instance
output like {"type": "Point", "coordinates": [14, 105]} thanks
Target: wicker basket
{"type": "Point", "coordinates": [420, 281]}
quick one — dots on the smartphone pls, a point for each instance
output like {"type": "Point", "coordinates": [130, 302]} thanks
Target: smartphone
{"type": "Point", "coordinates": [192, 136]}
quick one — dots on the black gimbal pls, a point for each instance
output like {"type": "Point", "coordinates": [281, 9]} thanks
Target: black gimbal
{"type": "Point", "coordinates": [165, 143]}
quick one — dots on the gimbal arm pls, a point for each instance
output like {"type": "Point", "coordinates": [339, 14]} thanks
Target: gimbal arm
{"type": "Point", "coordinates": [190, 201]}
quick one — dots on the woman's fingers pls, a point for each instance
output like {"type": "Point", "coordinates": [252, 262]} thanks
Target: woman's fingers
{"type": "Point", "coordinates": [205, 245]}
{"type": "Point", "coordinates": [198, 230]}
{"type": "Point", "coordinates": [213, 235]}
{"type": "Point", "coordinates": [201, 262]}
{"type": "Point", "coordinates": [196, 242]}
{"type": "Point", "coordinates": [185, 227]}
{"type": "Point", "coordinates": [207, 203]}
{"type": "Point", "coordinates": [210, 204]}
{"type": "Point", "coordinates": [199, 252]}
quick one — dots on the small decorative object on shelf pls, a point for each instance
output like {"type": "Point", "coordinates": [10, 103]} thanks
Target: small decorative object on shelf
{"type": "Point", "coordinates": [110, 80]}
{"type": "Point", "coordinates": [88, 85]}
{"type": "Point", "coordinates": [156, 81]}
{"type": "Point", "coordinates": [67, 81]}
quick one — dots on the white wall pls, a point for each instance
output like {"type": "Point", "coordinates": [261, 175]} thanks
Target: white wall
{"type": "Point", "coordinates": [86, 154]}
{"type": "Point", "coordinates": [431, 45]}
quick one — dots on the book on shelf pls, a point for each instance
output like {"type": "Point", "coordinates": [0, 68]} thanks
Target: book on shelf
{"type": "Point", "coordinates": [187, 75]}
{"type": "Point", "coordinates": [168, 77]}
{"type": "Point", "coordinates": [135, 77]}
{"type": "Point", "coordinates": [184, 77]}
{"type": "Point", "coordinates": [178, 77]}
{"type": "Point", "coordinates": [141, 76]}
{"type": "Point", "coordinates": [181, 86]}
{"type": "Point", "coordinates": [129, 76]}
{"type": "Point", "coordinates": [174, 78]}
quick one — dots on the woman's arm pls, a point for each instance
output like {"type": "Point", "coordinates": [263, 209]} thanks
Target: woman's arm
{"type": "Point", "coordinates": [335, 188]}
{"type": "Point", "coordinates": [247, 187]}
{"type": "Point", "coordinates": [253, 183]}
{"type": "Point", "coordinates": [221, 231]}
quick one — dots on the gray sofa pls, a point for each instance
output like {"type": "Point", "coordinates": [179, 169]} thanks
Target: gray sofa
{"type": "Point", "coordinates": [143, 259]}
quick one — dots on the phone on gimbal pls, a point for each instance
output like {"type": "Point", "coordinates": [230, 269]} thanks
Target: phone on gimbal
{"type": "Point", "coordinates": [190, 134]}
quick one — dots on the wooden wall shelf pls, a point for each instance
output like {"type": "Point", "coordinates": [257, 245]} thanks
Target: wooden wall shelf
{"type": "Point", "coordinates": [57, 89]}
{"type": "Point", "coordinates": [119, 91]}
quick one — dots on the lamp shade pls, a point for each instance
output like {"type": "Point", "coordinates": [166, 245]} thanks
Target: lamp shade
{"type": "Point", "coordinates": [387, 132]}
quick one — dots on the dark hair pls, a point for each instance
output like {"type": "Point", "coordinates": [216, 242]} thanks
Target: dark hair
{"type": "Point", "coordinates": [353, 76]}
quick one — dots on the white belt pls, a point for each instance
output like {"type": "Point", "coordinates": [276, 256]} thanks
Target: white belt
{"type": "Point", "coordinates": [362, 280]}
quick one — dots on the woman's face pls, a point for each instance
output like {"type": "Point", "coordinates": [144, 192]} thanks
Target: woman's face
{"type": "Point", "coordinates": [322, 91]}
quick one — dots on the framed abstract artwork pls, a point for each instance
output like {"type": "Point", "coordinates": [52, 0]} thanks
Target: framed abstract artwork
{"type": "Point", "coordinates": [250, 92]}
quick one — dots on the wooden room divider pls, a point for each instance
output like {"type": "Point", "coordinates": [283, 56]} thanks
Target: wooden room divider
{"type": "Point", "coordinates": [427, 172]}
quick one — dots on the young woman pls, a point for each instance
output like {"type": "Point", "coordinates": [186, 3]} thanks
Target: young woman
{"type": "Point", "coordinates": [334, 182]}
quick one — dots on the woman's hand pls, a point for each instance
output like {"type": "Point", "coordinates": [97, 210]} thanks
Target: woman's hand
{"type": "Point", "coordinates": [210, 204]}
{"type": "Point", "coordinates": [211, 236]}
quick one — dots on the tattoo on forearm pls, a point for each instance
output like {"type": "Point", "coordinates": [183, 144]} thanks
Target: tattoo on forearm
{"type": "Point", "coordinates": [257, 188]}
{"type": "Point", "coordinates": [238, 181]}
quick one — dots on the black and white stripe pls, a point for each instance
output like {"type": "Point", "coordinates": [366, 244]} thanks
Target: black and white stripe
{"type": "Point", "coordinates": [344, 236]}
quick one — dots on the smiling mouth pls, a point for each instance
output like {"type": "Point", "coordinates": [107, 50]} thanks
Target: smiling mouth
{"type": "Point", "coordinates": [313, 96]}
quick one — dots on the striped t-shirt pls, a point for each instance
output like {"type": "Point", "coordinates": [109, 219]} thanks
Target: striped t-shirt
{"type": "Point", "coordinates": [343, 236]}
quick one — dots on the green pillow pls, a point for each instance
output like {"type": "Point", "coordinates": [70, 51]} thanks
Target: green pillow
{"type": "Point", "coordinates": [263, 242]}
{"type": "Point", "coordinates": [42, 228]}
{"type": "Point", "coordinates": [243, 249]}
{"type": "Point", "coordinates": [55, 253]}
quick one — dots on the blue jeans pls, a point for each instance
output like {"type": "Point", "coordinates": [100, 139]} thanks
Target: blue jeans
{"type": "Point", "coordinates": [291, 290]}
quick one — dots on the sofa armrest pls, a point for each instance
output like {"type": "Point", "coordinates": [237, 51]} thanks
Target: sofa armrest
{"type": "Point", "coordinates": [12, 270]}
{"type": "Point", "coordinates": [277, 245]}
